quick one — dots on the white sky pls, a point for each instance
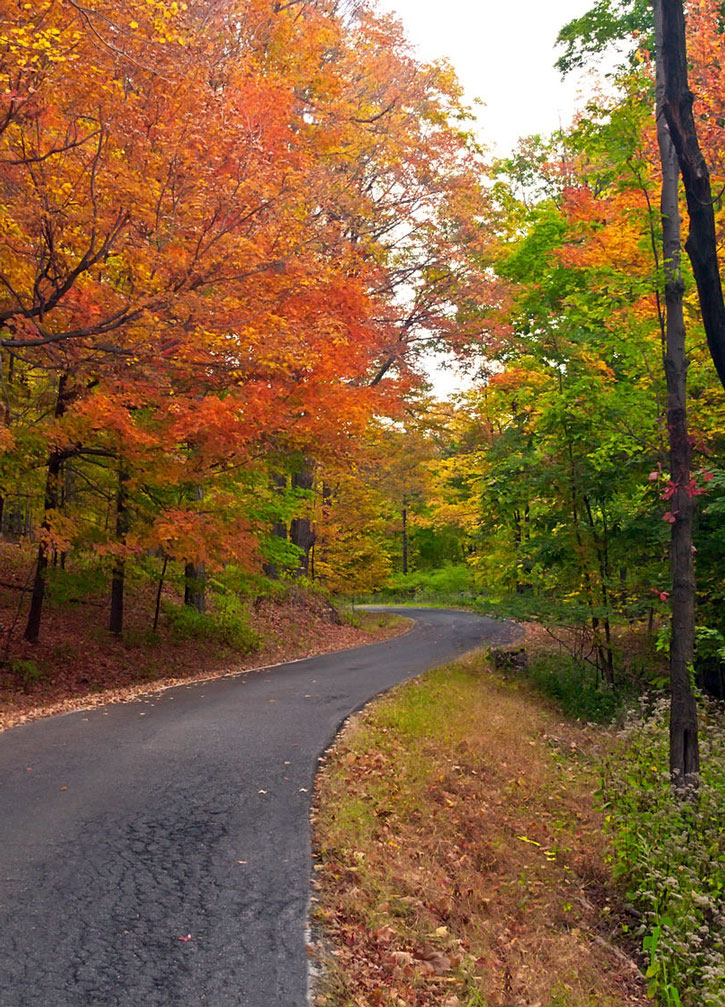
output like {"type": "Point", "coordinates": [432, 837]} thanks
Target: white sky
{"type": "Point", "coordinates": [503, 52]}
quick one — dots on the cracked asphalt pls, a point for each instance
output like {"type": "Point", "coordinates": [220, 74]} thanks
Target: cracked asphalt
{"type": "Point", "coordinates": [157, 853]}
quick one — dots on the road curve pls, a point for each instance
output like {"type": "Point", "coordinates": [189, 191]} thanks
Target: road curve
{"type": "Point", "coordinates": [157, 853]}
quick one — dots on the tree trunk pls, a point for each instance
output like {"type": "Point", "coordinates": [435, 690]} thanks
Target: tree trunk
{"type": "Point", "coordinates": [301, 533]}
{"type": "Point", "coordinates": [405, 534]}
{"type": "Point", "coordinates": [159, 589]}
{"type": "Point", "coordinates": [606, 655]}
{"type": "Point", "coordinates": [50, 503]}
{"type": "Point", "coordinates": [119, 566]}
{"type": "Point", "coordinates": [279, 528]}
{"type": "Point", "coordinates": [195, 586]}
{"type": "Point", "coordinates": [676, 104]}
{"type": "Point", "coordinates": [195, 575]}
{"type": "Point", "coordinates": [684, 754]}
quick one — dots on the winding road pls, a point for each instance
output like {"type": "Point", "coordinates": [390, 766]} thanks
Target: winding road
{"type": "Point", "coordinates": [157, 853]}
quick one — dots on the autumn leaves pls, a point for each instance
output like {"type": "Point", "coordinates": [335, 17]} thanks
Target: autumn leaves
{"type": "Point", "coordinates": [225, 231]}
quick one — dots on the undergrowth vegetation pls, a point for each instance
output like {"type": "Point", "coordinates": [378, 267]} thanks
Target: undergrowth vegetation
{"type": "Point", "coordinates": [577, 689]}
{"type": "Point", "coordinates": [425, 827]}
{"type": "Point", "coordinates": [670, 853]}
{"type": "Point", "coordinates": [460, 857]}
{"type": "Point", "coordinates": [228, 624]}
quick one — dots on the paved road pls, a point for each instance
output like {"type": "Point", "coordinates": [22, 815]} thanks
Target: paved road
{"type": "Point", "coordinates": [127, 828]}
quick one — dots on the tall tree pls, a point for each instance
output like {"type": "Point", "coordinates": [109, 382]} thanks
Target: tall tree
{"type": "Point", "coordinates": [701, 242]}
{"type": "Point", "coordinates": [684, 747]}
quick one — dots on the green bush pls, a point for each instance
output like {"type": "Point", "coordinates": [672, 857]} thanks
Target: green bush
{"type": "Point", "coordinates": [445, 584]}
{"type": "Point", "coordinates": [577, 689]}
{"type": "Point", "coordinates": [70, 587]}
{"type": "Point", "coordinates": [228, 624]}
{"type": "Point", "coordinates": [670, 852]}
{"type": "Point", "coordinates": [26, 672]}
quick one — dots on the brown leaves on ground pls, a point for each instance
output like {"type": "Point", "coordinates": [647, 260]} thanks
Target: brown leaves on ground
{"type": "Point", "coordinates": [462, 862]}
{"type": "Point", "coordinates": [79, 664]}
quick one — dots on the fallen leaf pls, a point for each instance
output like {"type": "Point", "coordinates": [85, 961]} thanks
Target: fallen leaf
{"type": "Point", "coordinates": [186, 939]}
{"type": "Point", "coordinates": [434, 961]}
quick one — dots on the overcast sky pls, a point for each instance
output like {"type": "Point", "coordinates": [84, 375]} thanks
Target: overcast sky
{"type": "Point", "coordinates": [503, 52]}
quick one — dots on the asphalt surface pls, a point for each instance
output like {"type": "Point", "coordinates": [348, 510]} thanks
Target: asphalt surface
{"type": "Point", "coordinates": [157, 853]}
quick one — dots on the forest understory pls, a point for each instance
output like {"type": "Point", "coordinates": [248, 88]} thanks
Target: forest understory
{"type": "Point", "coordinates": [77, 663]}
{"type": "Point", "coordinates": [461, 856]}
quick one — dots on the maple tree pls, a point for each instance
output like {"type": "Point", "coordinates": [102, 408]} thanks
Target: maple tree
{"type": "Point", "coordinates": [225, 232]}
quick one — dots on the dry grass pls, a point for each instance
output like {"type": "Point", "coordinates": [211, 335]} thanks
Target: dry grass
{"type": "Point", "coordinates": [461, 862]}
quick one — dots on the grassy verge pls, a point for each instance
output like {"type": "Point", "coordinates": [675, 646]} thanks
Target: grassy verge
{"type": "Point", "coordinates": [671, 854]}
{"type": "Point", "coordinates": [460, 859]}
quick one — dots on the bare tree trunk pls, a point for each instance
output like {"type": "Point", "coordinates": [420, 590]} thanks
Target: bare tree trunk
{"type": "Point", "coordinates": [606, 655]}
{"type": "Point", "coordinates": [119, 566]}
{"type": "Point", "coordinates": [52, 492]}
{"type": "Point", "coordinates": [279, 528]}
{"type": "Point", "coordinates": [676, 104]}
{"type": "Point", "coordinates": [195, 575]}
{"type": "Point", "coordinates": [302, 534]}
{"type": "Point", "coordinates": [159, 589]}
{"type": "Point", "coordinates": [195, 586]}
{"type": "Point", "coordinates": [684, 752]}
{"type": "Point", "coordinates": [405, 534]}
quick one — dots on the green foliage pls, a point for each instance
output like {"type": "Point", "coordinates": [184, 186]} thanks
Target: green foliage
{"type": "Point", "coordinates": [451, 583]}
{"type": "Point", "coordinates": [435, 547]}
{"type": "Point", "coordinates": [607, 22]}
{"type": "Point", "coordinates": [670, 852]}
{"type": "Point", "coordinates": [26, 672]}
{"type": "Point", "coordinates": [233, 580]}
{"type": "Point", "coordinates": [280, 553]}
{"type": "Point", "coordinates": [577, 689]}
{"type": "Point", "coordinates": [709, 558]}
{"type": "Point", "coordinates": [228, 624]}
{"type": "Point", "coordinates": [86, 579]}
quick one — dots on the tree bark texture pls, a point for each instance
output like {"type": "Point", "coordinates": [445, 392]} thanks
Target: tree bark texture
{"type": "Point", "coordinates": [701, 245]}
{"type": "Point", "coordinates": [684, 751]}
{"type": "Point", "coordinates": [195, 575]}
{"type": "Point", "coordinates": [301, 533]}
{"type": "Point", "coordinates": [119, 566]}
{"type": "Point", "coordinates": [50, 504]}
{"type": "Point", "coordinates": [279, 528]}
{"type": "Point", "coordinates": [159, 589]}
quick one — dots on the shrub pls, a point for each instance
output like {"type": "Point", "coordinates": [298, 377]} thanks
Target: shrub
{"type": "Point", "coordinates": [448, 582]}
{"type": "Point", "coordinates": [228, 624]}
{"type": "Point", "coordinates": [670, 851]}
{"type": "Point", "coordinates": [577, 689]}
{"type": "Point", "coordinates": [26, 672]}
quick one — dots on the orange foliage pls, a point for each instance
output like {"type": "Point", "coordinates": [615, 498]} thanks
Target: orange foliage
{"type": "Point", "coordinates": [231, 228]}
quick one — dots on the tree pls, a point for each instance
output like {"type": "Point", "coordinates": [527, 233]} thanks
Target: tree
{"type": "Point", "coordinates": [701, 244]}
{"type": "Point", "coordinates": [684, 748]}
